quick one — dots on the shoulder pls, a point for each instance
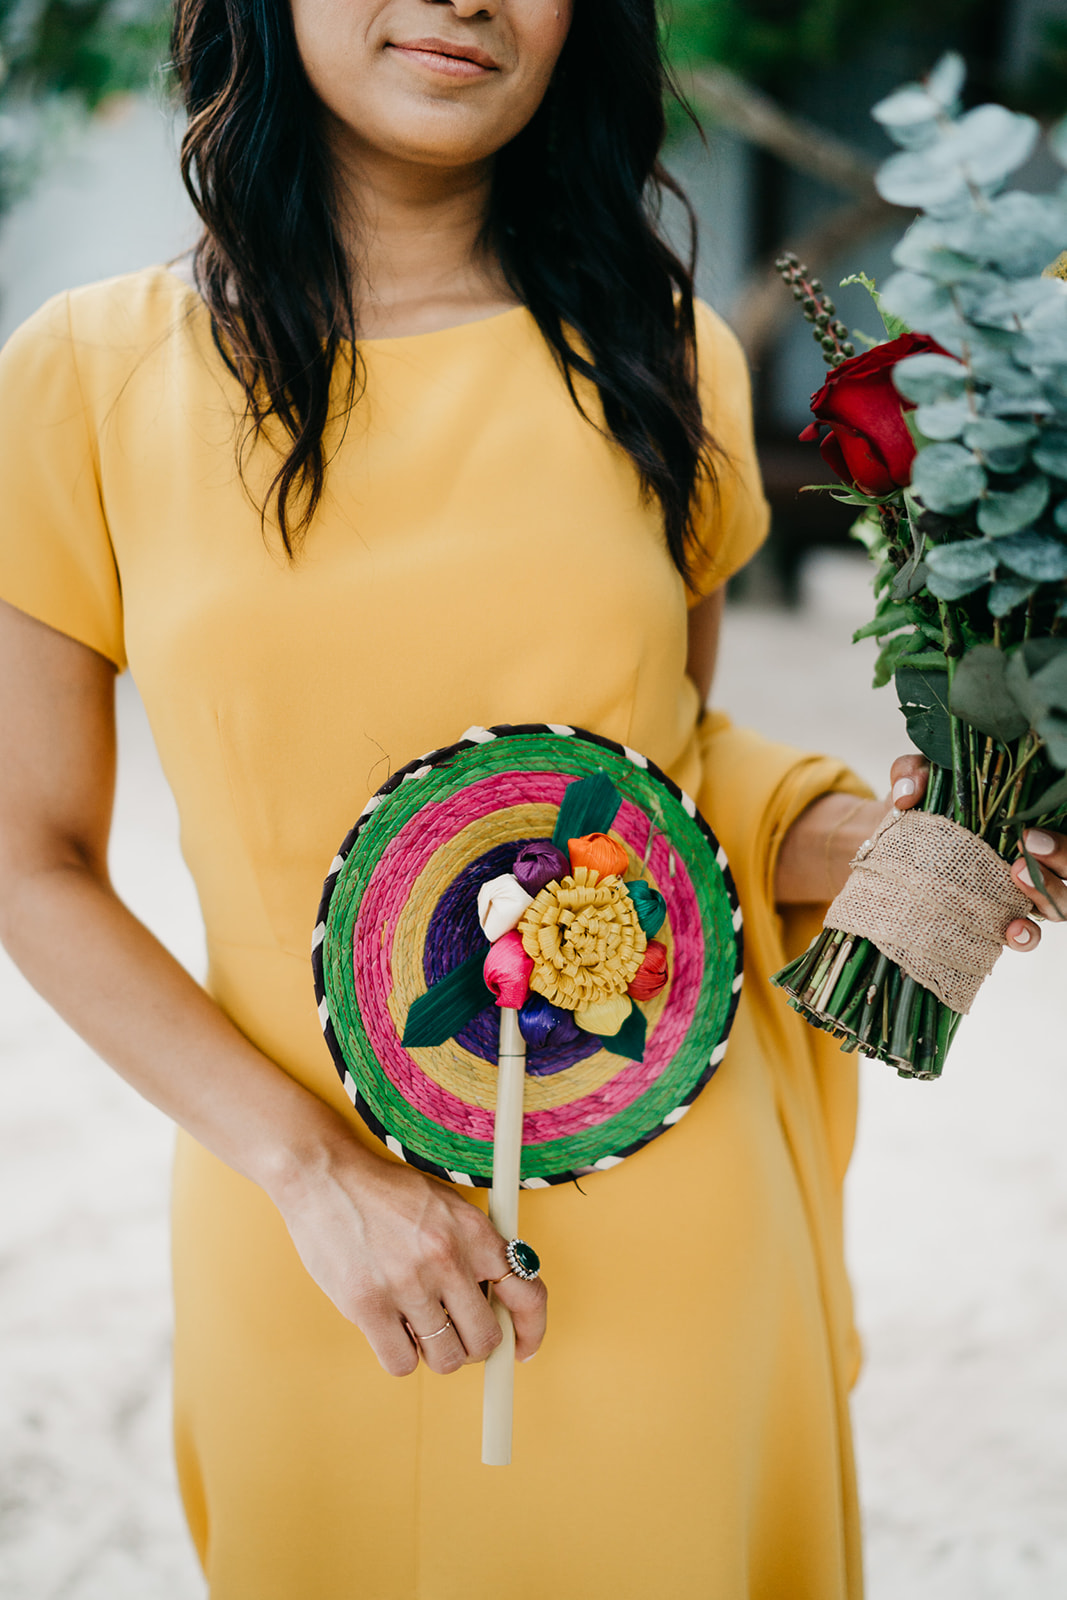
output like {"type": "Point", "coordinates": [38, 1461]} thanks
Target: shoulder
{"type": "Point", "coordinates": [722, 368]}
{"type": "Point", "coordinates": [97, 332]}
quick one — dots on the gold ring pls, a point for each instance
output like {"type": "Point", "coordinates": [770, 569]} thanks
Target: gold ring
{"type": "Point", "coordinates": [509, 1274]}
{"type": "Point", "coordinates": [422, 1337]}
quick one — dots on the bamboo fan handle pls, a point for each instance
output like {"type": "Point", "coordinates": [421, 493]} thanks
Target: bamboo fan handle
{"type": "Point", "coordinates": [499, 1393]}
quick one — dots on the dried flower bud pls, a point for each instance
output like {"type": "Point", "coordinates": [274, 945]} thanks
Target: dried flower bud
{"type": "Point", "coordinates": [501, 903]}
{"type": "Point", "coordinates": [822, 320]}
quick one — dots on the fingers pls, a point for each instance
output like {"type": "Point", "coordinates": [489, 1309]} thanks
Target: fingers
{"type": "Point", "coordinates": [1022, 935]}
{"type": "Point", "coordinates": [391, 1342]}
{"type": "Point", "coordinates": [1049, 852]}
{"type": "Point", "coordinates": [908, 776]}
{"type": "Point", "coordinates": [436, 1336]}
{"type": "Point", "coordinates": [475, 1323]}
{"type": "Point", "coordinates": [527, 1300]}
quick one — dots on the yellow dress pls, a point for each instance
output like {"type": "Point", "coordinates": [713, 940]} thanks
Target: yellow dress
{"type": "Point", "coordinates": [483, 555]}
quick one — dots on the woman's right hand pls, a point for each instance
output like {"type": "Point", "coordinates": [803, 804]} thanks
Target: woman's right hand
{"type": "Point", "coordinates": [401, 1254]}
{"type": "Point", "coordinates": [390, 1246]}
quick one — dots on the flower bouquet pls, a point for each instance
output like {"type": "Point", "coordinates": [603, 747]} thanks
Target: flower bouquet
{"type": "Point", "coordinates": [950, 438]}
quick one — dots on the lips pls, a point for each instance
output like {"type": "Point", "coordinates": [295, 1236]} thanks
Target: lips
{"type": "Point", "coordinates": [446, 54]}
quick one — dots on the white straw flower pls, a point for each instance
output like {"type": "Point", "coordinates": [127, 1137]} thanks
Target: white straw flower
{"type": "Point", "coordinates": [501, 903]}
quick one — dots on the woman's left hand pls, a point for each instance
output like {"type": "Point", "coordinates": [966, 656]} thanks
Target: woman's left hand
{"type": "Point", "coordinates": [813, 862]}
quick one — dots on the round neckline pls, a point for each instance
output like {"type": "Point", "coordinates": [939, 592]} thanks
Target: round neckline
{"type": "Point", "coordinates": [380, 340]}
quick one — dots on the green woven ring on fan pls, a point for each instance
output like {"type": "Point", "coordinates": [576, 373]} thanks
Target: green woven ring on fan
{"type": "Point", "coordinates": [398, 914]}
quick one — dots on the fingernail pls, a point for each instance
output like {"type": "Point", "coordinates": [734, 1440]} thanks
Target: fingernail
{"type": "Point", "coordinates": [525, 1359]}
{"type": "Point", "coordinates": [1022, 937]}
{"type": "Point", "coordinates": [1024, 877]}
{"type": "Point", "coordinates": [1040, 844]}
{"type": "Point", "coordinates": [902, 787]}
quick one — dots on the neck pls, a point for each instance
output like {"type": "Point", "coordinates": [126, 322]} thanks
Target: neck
{"type": "Point", "coordinates": [413, 233]}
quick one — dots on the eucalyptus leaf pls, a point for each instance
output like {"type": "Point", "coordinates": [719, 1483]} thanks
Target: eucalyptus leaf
{"type": "Point", "coordinates": [1053, 729]}
{"type": "Point", "coordinates": [1007, 593]}
{"type": "Point", "coordinates": [981, 149]}
{"type": "Point", "coordinates": [1018, 233]}
{"type": "Point", "coordinates": [923, 698]}
{"type": "Point", "coordinates": [922, 304]}
{"type": "Point", "coordinates": [1002, 445]}
{"type": "Point", "coordinates": [1059, 516]}
{"type": "Point", "coordinates": [964, 558]}
{"type": "Point", "coordinates": [1017, 679]}
{"type": "Point", "coordinates": [1011, 510]}
{"type": "Point", "coordinates": [924, 250]}
{"type": "Point", "coordinates": [1005, 403]}
{"type": "Point", "coordinates": [1057, 141]}
{"type": "Point", "coordinates": [946, 79]}
{"type": "Point", "coordinates": [908, 112]}
{"type": "Point", "coordinates": [944, 420]}
{"type": "Point", "coordinates": [1049, 683]}
{"type": "Point", "coordinates": [928, 379]}
{"type": "Point", "coordinates": [1033, 555]}
{"type": "Point", "coordinates": [946, 588]}
{"type": "Point", "coordinates": [1050, 453]}
{"type": "Point", "coordinates": [1007, 304]}
{"type": "Point", "coordinates": [1024, 669]}
{"type": "Point", "coordinates": [981, 696]}
{"type": "Point", "coordinates": [948, 478]}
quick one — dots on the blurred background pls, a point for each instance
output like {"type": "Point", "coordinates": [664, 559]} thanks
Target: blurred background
{"type": "Point", "coordinates": [958, 1195]}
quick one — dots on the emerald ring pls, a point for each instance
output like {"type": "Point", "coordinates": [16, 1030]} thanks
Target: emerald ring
{"type": "Point", "coordinates": [523, 1259]}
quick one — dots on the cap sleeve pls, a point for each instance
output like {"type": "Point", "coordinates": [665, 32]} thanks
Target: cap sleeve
{"type": "Point", "coordinates": [56, 558]}
{"type": "Point", "coordinates": [733, 516]}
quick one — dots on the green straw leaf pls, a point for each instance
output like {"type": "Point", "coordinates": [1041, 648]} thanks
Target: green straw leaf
{"type": "Point", "coordinates": [630, 1039]}
{"type": "Point", "coordinates": [445, 1009]}
{"type": "Point", "coordinates": [589, 805]}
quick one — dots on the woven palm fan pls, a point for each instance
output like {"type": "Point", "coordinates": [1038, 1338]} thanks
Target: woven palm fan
{"type": "Point", "coordinates": [527, 963]}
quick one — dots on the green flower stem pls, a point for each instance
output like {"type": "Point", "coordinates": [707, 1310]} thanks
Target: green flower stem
{"type": "Point", "coordinates": [826, 960]}
{"type": "Point", "coordinates": [846, 982]}
{"type": "Point", "coordinates": [906, 1018]}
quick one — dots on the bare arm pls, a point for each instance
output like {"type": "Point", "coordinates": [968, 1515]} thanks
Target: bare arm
{"type": "Point", "coordinates": [705, 623]}
{"type": "Point", "coordinates": [387, 1244]}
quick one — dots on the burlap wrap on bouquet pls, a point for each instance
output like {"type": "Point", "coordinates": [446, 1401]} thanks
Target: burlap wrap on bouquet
{"type": "Point", "coordinates": [935, 899]}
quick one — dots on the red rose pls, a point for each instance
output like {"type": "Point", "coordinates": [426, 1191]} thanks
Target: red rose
{"type": "Point", "coordinates": [869, 443]}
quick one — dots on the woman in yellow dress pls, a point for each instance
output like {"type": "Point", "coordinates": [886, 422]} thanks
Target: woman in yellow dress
{"type": "Point", "coordinates": [423, 440]}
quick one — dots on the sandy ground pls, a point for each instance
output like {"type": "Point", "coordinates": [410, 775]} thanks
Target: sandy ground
{"type": "Point", "coordinates": [957, 1231]}
{"type": "Point", "coordinates": [957, 1200]}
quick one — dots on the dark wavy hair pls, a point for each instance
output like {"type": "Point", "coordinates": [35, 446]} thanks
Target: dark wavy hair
{"type": "Point", "coordinates": [574, 216]}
